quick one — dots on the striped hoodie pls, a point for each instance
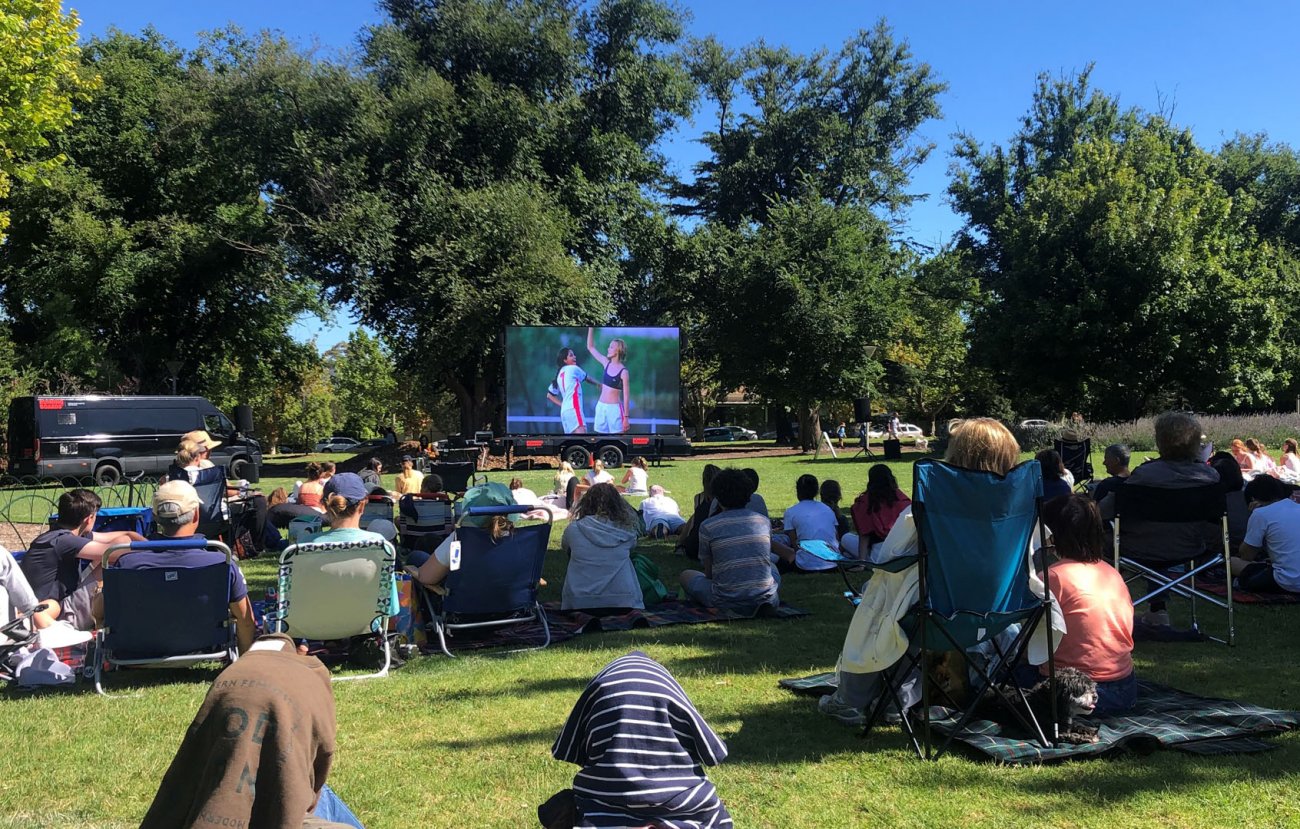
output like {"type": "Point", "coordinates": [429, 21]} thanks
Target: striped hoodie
{"type": "Point", "coordinates": [641, 745]}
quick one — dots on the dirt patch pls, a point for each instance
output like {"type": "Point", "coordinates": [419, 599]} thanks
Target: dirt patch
{"type": "Point", "coordinates": [18, 536]}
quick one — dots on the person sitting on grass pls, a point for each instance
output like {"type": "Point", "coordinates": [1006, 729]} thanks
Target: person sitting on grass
{"type": "Point", "coordinates": [409, 479]}
{"type": "Point", "coordinates": [832, 494]}
{"type": "Point", "coordinates": [807, 520]}
{"type": "Point", "coordinates": [641, 747]}
{"type": "Point", "coordinates": [703, 507]}
{"type": "Point", "coordinates": [636, 479]}
{"type": "Point", "coordinates": [600, 578]}
{"type": "Point", "coordinates": [874, 513]}
{"type": "Point", "coordinates": [1268, 560]}
{"type": "Point", "coordinates": [1233, 486]}
{"type": "Point", "coordinates": [735, 551]}
{"type": "Point", "coordinates": [597, 475]}
{"type": "Point", "coordinates": [52, 564]}
{"type": "Point", "coordinates": [275, 704]}
{"type": "Point", "coordinates": [309, 492]}
{"type": "Point", "coordinates": [1095, 602]}
{"type": "Point", "coordinates": [1242, 456]}
{"type": "Point", "coordinates": [660, 513]}
{"type": "Point", "coordinates": [524, 496]}
{"type": "Point", "coordinates": [1262, 461]}
{"type": "Point", "coordinates": [1054, 483]}
{"type": "Point", "coordinates": [176, 509]}
{"type": "Point", "coordinates": [1289, 469]}
{"type": "Point", "coordinates": [371, 476]}
{"type": "Point", "coordinates": [755, 502]}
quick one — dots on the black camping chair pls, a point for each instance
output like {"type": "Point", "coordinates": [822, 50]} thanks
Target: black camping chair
{"type": "Point", "coordinates": [1076, 455]}
{"type": "Point", "coordinates": [1170, 536]}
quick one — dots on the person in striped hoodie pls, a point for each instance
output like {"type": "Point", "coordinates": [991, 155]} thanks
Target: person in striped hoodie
{"type": "Point", "coordinates": [641, 746]}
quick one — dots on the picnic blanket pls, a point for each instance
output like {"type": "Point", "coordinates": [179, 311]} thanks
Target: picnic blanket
{"type": "Point", "coordinates": [1246, 597]}
{"type": "Point", "coordinates": [566, 625]}
{"type": "Point", "coordinates": [1163, 717]}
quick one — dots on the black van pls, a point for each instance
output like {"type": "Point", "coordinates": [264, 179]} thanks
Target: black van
{"type": "Point", "coordinates": [107, 437]}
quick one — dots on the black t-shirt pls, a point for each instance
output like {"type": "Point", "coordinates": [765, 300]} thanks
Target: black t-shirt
{"type": "Point", "coordinates": [1106, 487]}
{"type": "Point", "coordinates": [51, 564]}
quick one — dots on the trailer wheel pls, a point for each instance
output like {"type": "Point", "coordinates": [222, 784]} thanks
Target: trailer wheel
{"type": "Point", "coordinates": [610, 455]}
{"type": "Point", "coordinates": [577, 456]}
{"type": "Point", "coordinates": [108, 474]}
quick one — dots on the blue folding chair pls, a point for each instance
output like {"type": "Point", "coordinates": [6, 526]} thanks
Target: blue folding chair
{"type": "Point", "coordinates": [496, 583]}
{"type": "Point", "coordinates": [169, 613]}
{"type": "Point", "coordinates": [377, 507]}
{"type": "Point", "coordinates": [337, 590]}
{"type": "Point", "coordinates": [974, 531]}
{"type": "Point", "coordinates": [424, 520]}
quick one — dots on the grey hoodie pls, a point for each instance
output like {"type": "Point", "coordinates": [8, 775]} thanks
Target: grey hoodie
{"type": "Point", "coordinates": [600, 570]}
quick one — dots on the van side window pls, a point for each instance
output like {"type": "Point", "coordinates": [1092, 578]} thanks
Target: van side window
{"type": "Point", "coordinates": [218, 424]}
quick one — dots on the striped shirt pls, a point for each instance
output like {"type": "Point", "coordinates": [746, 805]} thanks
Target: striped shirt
{"type": "Point", "coordinates": [641, 745]}
{"type": "Point", "coordinates": [739, 544]}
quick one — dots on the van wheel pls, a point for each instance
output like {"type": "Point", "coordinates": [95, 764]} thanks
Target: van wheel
{"type": "Point", "coordinates": [610, 455]}
{"type": "Point", "coordinates": [577, 456]}
{"type": "Point", "coordinates": [240, 468]}
{"type": "Point", "coordinates": [108, 475]}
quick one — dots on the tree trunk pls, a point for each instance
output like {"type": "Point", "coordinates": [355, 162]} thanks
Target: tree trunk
{"type": "Point", "coordinates": [474, 401]}
{"type": "Point", "coordinates": [810, 427]}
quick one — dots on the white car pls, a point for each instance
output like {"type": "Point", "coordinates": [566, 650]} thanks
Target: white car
{"type": "Point", "coordinates": [338, 443]}
{"type": "Point", "coordinates": [1034, 423]}
{"type": "Point", "coordinates": [905, 430]}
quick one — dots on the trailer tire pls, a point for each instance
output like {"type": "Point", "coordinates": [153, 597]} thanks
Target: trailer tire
{"type": "Point", "coordinates": [108, 474]}
{"type": "Point", "coordinates": [611, 455]}
{"type": "Point", "coordinates": [576, 455]}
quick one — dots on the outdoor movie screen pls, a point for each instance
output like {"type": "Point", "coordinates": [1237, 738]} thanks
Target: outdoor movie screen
{"type": "Point", "coordinates": [568, 380]}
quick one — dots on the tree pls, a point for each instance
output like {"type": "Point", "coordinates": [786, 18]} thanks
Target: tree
{"type": "Point", "coordinates": [1118, 276]}
{"type": "Point", "coordinates": [486, 172]}
{"type": "Point", "coordinates": [154, 242]}
{"type": "Point", "coordinates": [39, 82]}
{"type": "Point", "coordinates": [365, 389]}
{"type": "Point", "coordinates": [805, 294]}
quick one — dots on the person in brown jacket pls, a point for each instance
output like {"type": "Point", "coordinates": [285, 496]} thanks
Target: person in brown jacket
{"type": "Point", "coordinates": [274, 704]}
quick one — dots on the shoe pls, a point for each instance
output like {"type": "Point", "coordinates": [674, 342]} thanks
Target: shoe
{"type": "Point", "coordinates": [1156, 619]}
{"type": "Point", "coordinates": [62, 635]}
{"type": "Point", "coordinates": [832, 707]}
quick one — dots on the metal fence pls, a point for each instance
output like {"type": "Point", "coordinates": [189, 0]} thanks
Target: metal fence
{"type": "Point", "coordinates": [26, 504]}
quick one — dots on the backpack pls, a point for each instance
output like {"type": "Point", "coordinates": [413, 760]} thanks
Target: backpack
{"type": "Point", "coordinates": [653, 590]}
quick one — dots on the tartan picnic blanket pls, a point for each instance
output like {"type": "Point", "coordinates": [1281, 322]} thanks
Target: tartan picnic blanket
{"type": "Point", "coordinates": [566, 625]}
{"type": "Point", "coordinates": [1163, 717]}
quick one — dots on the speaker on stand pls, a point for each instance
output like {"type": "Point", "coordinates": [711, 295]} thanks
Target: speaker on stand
{"type": "Point", "coordinates": [862, 414]}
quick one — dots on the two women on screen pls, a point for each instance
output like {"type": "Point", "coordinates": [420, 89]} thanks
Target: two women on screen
{"type": "Point", "coordinates": [615, 396]}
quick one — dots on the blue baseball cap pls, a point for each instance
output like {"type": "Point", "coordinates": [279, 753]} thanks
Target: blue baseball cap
{"type": "Point", "coordinates": [347, 484]}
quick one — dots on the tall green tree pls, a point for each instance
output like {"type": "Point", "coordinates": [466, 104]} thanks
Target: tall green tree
{"type": "Point", "coordinates": [365, 388]}
{"type": "Point", "coordinates": [40, 80]}
{"type": "Point", "coordinates": [1118, 275]}
{"type": "Point", "coordinates": [155, 241]}
{"type": "Point", "coordinates": [487, 171]}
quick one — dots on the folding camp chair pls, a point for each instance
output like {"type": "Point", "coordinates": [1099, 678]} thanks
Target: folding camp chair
{"type": "Point", "coordinates": [337, 590]}
{"type": "Point", "coordinates": [424, 520]}
{"type": "Point", "coordinates": [378, 507]}
{"type": "Point", "coordinates": [214, 514]}
{"type": "Point", "coordinates": [974, 531]}
{"type": "Point", "coordinates": [1165, 536]}
{"type": "Point", "coordinates": [456, 477]}
{"type": "Point", "coordinates": [496, 583]}
{"type": "Point", "coordinates": [1076, 455]}
{"type": "Point", "coordinates": [168, 613]}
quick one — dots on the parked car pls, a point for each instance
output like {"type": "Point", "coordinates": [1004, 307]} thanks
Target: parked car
{"type": "Point", "coordinates": [338, 443]}
{"type": "Point", "coordinates": [905, 430]}
{"type": "Point", "coordinates": [1034, 423]}
{"type": "Point", "coordinates": [741, 433]}
{"type": "Point", "coordinates": [718, 433]}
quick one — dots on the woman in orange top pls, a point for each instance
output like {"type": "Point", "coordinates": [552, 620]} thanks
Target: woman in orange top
{"type": "Point", "coordinates": [1242, 455]}
{"type": "Point", "coordinates": [309, 494]}
{"type": "Point", "coordinates": [1095, 601]}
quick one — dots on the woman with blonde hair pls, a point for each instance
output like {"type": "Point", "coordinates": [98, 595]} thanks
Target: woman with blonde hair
{"type": "Point", "coordinates": [1262, 461]}
{"type": "Point", "coordinates": [981, 444]}
{"type": "Point", "coordinates": [615, 396]}
{"type": "Point", "coordinates": [1242, 455]}
{"type": "Point", "coordinates": [597, 475]}
{"type": "Point", "coordinates": [636, 481]}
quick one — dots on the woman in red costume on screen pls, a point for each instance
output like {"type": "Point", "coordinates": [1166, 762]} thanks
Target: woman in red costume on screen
{"type": "Point", "coordinates": [566, 392]}
{"type": "Point", "coordinates": [615, 397]}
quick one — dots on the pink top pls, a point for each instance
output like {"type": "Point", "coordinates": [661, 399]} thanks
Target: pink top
{"type": "Point", "coordinates": [310, 493]}
{"type": "Point", "coordinates": [880, 522]}
{"type": "Point", "coordinates": [1098, 611]}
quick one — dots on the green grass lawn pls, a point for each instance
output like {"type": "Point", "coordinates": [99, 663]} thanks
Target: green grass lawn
{"type": "Point", "coordinates": [466, 742]}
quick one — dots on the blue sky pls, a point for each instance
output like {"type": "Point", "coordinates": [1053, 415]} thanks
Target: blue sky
{"type": "Point", "coordinates": [1223, 68]}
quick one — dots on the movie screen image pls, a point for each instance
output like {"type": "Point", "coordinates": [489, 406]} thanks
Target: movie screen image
{"type": "Point", "coordinates": [611, 380]}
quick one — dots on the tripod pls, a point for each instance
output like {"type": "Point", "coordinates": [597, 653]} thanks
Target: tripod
{"type": "Point", "coordinates": [864, 442]}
